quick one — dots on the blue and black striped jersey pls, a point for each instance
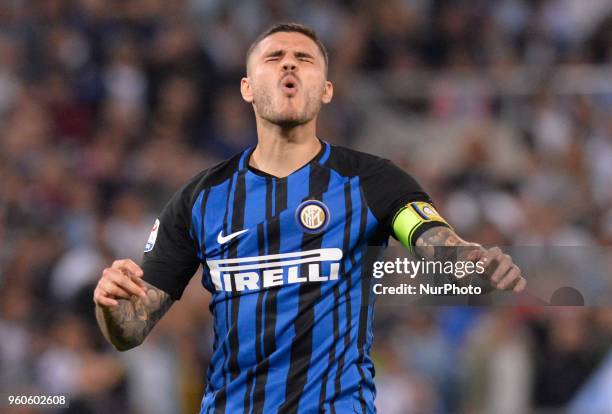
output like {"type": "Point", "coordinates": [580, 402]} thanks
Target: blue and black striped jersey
{"type": "Point", "coordinates": [285, 260]}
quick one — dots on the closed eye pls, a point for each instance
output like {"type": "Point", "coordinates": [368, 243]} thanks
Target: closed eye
{"type": "Point", "coordinates": [304, 57]}
{"type": "Point", "coordinates": [278, 54]}
{"type": "Point", "coordinates": [274, 56]}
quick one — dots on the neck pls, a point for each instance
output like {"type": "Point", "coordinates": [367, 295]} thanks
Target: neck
{"type": "Point", "coordinates": [283, 150]}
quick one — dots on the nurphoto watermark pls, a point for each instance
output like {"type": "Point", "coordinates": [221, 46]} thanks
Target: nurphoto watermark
{"type": "Point", "coordinates": [424, 270]}
{"type": "Point", "coordinates": [555, 276]}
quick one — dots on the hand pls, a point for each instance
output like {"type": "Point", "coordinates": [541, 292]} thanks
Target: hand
{"type": "Point", "coordinates": [502, 272]}
{"type": "Point", "coordinates": [120, 281]}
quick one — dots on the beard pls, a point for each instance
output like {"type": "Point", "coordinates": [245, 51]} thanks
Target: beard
{"type": "Point", "coordinates": [286, 112]}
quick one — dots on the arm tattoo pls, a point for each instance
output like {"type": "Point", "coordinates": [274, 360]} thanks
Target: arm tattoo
{"type": "Point", "coordinates": [442, 243]}
{"type": "Point", "coordinates": [132, 319]}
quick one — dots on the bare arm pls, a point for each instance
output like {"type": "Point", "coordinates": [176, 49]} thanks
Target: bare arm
{"type": "Point", "coordinates": [127, 308]}
{"type": "Point", "coordinates": [127, 324]}
{"type": "Point", "coordinates": [442, 243]}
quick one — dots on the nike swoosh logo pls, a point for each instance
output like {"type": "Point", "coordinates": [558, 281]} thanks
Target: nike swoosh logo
{"type": "Point", "coordinates": [224, 239]}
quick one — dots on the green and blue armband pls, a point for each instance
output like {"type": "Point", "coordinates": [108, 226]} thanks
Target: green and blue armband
{"type": "Point", "coordinates": [413, 219]}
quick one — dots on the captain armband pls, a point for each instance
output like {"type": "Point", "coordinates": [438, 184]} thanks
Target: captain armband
{"type": "Point", "coordinates": [413, 219]}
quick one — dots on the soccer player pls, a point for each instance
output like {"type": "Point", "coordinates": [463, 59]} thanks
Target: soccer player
{"type": "Point", "coordinates": [282, 231]}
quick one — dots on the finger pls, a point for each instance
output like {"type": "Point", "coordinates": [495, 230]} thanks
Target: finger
{"type": "Point", "coordinates": [124, 281]}
{"type": "Point", "coordinates": [127, 284]}
{"type": "Point", "coordinates": [107, 302]}
{"type": "Point", "coordinates": [111, 290]}
{"type": "Point", "coordinates": [474, 254]}
{"type": "Point", "coordinates": [488, 258]}
{"type": "Point", "coordinates": [520, 285]}
{"type": "Point", "coordinates": [128, 266]}
{"type": "Point", "coordinates": [510, 279]}
{"type": "Point", "coordinates": [111, 273]}
{"type": "Point", "coordinates": [504, 263]}
{"type": "Point", "coordinates": [102, 300]}
{"type": "Point", "coordinates": [140, 283]}
{"type": "Point", "coordinates": [111, 281]}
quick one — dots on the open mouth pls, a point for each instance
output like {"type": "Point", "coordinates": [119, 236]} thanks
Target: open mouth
{"type": "Point", "coordinates": [289, 85]}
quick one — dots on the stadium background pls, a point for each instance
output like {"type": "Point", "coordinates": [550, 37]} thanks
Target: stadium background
{"type": "Point", "coordinates": [501, 109]}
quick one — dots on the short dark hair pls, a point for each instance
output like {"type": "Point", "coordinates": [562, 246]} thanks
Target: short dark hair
{"type": "Point", "coordinates": [290, 28]}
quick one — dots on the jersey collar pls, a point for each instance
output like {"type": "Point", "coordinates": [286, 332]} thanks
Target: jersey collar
{"type": "Point", "coordinates": [321, 158]}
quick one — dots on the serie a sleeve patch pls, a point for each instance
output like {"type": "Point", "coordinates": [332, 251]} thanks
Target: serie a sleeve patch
{"type": "Point", "coordinates": [414, 218]}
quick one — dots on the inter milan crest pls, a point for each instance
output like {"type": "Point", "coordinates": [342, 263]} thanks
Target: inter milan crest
{"type": "Point", "coordinates": [312, 216]}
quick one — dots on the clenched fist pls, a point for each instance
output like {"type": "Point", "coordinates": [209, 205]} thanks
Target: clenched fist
{"type": "Point", "coordinates": [120, 281]}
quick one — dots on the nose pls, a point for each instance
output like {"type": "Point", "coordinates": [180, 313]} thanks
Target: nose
{"type": "Point", "coordinates": [289, 65]}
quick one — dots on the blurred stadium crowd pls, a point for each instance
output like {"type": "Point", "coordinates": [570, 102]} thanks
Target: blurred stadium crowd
{"type": "Point", "coordinates": [500, 109]}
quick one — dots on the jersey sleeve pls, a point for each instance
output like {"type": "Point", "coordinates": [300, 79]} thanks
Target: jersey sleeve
{"type": "Point", "coordinates": [170, 257]}
{"type": "Point", "coordinates": [389, 190]}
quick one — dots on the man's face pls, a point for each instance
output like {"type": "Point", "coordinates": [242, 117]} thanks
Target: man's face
{"type": "Point", "coordinates": [286, 79]}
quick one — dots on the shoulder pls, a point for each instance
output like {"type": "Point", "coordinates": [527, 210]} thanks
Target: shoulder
{"type": "Point", "coordinates": [349, 162]}
{"type": "Point", "coordinates": [386, 186]}
{"type": "Point", "coordinates": [208, 178]}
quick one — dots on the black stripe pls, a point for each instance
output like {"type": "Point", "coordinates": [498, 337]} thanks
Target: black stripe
{"type": "Point", "coordinates": [203, 216]}
{"type": "Point", "coordinates": [348, 207]}
{"type": "Point", "coordinates": [203, 241]}
{"type": "Point", "coordinates": [221, 398]}
{"type": "Point", "coordinates": [210, 284]}
{"type": "Point", "coordinates": [332, 351]}
{"type": "Point", "coordinates": [261, 248]}
{"type": "Point", "coordinates": [236, 225]}
{"type": "Point", "coordinates": [258, 328]}
{"type": "Point", "coordinates": [363, 309]}
{"type": "Point", "coordinates": [269, 193]}
{"type": "Point", "coordinates": [269, 326]}
{"type": "Point", "coordinates": [274, 248]}
{"type": "Point", "coordinates": [301, 345]}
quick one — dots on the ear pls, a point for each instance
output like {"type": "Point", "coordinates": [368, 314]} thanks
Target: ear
{"type": "Point", "coordinates": [328, 92]}
{"type": "Point", "coordinates": [245, 90]}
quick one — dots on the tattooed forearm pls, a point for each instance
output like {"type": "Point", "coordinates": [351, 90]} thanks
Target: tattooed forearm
{"type": "Point", "coordinates": [127, 324]}
{"type": "Point", "coordinates": [442, 243]}
{"type": "Point", "coordinates": [498, 270]}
